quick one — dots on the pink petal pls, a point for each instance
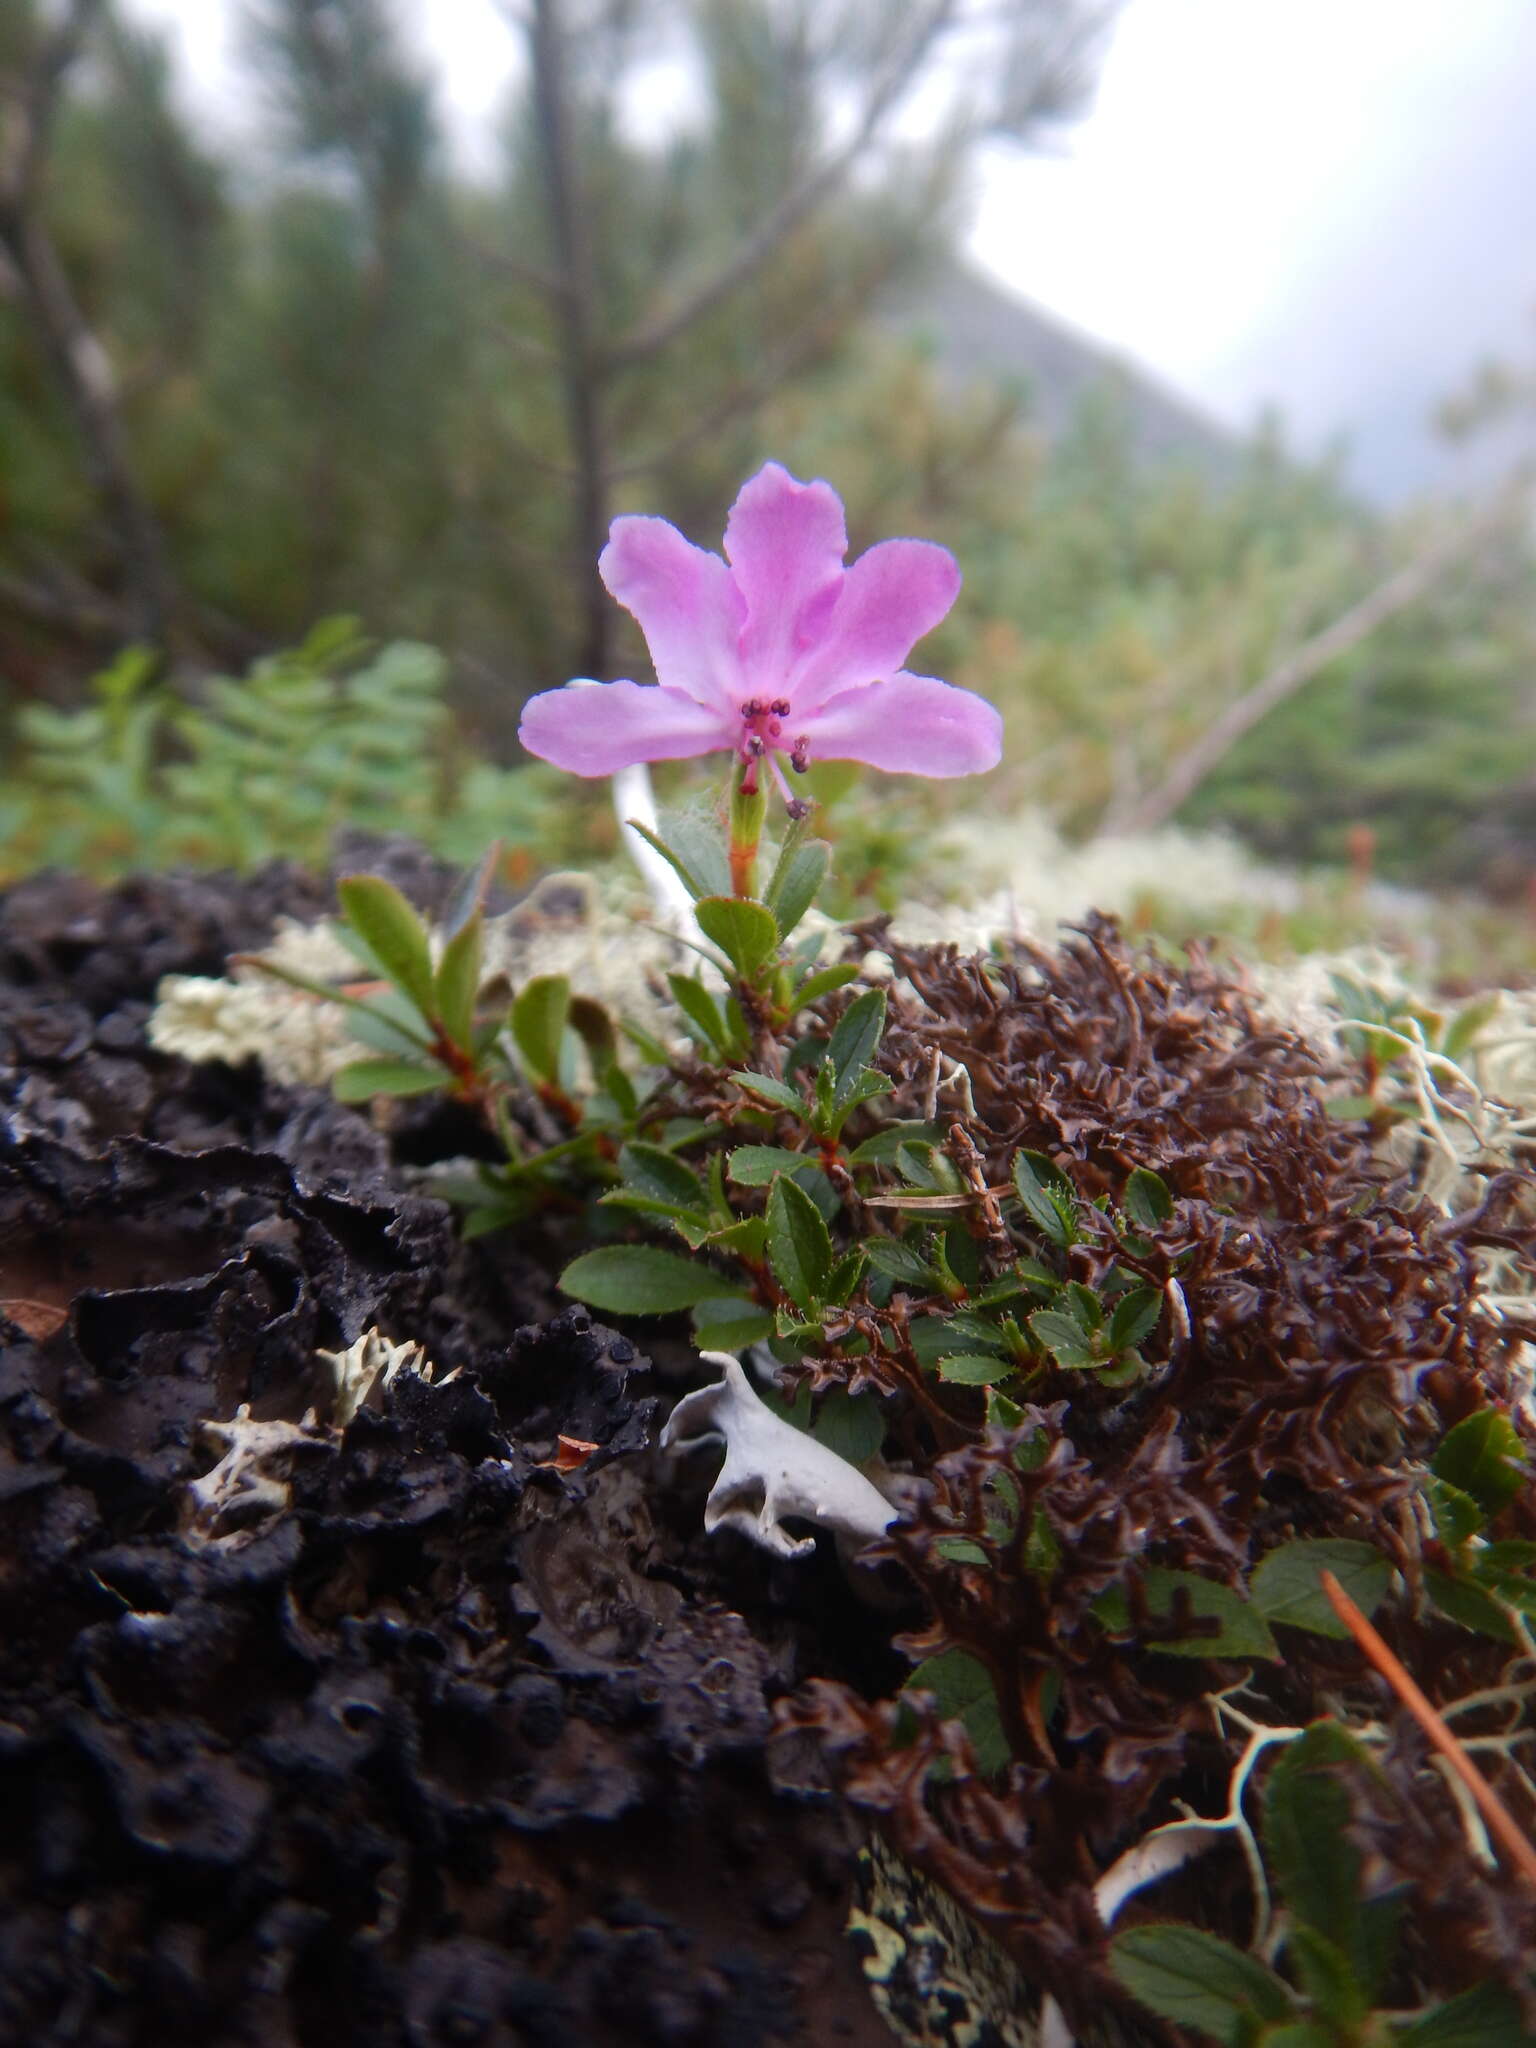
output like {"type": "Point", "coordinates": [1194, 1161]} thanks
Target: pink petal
{"type": "Point", "coordinates": [911, 725]}
{"type": "Point", "coordinates": [785, 541]}
{"type": "Point", "coordinates": [600, 729]}
{"type": "Point", "coordinates": [688, 607]}
{"type": "Point", "coordinates": [890, 598]}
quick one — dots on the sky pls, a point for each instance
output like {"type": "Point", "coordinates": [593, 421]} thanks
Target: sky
{"type": "Point", "coordinates": [1323, 206]}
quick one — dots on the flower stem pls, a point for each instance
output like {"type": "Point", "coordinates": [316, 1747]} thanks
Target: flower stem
{"type": "Point", "coordinates": [748, 807]}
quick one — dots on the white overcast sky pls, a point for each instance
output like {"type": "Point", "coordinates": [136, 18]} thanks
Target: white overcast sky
{"type": "Point", "coordinates": [1325, 205]}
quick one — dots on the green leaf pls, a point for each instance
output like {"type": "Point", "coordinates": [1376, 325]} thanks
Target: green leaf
{"type": "Point", "coordinates": [849, 1424]}
{"type": "Point", "coordinates": [701, 1010]}
{"type": "Point", "coordinates": [652, 1170]}
{"type": "Point", "coordinates": [364, 1079]}
{"type": "Point", "coordinates": [1287, 1584]}
{"type": "Point", "coordinates": [1487, 2017]}
{"type": "Point", "coordinates": [844, 1278]}
{"type": "Point", "coordinates": [779, 1093]}
{"type": "Point", "coordinates": [1483, 1456]}
{"type": "Point", "coordinates": [961, 1550]}
{"type": "Point", "coordinates": [1135, 1317]}
{"type": "Point", "coordinates": [902, 1262]}
{"type": "Point", "coordinates": [458, 983]}
{"type": "Point", "coordinates": [1307, 1810]}
{"type": "Point", "coordinates": [855, 1041]}
{"type": "Point", "coordinates": [1464, 1601]}
{"type": "Point", "coordinates": [642, 1280]}
{"type": "Point", "coordinates": [1457, 1515]}
{"type": "Point", "coordinates": [1198, 1980]}
{"type": "Point", "coordinates": [962, 1687]}
{"type": "Point", "coordinates": [882, 1147]}
{"type": "Point", "coordinates": [971, 1369]}
{"type": "Point", "coordinates": [468, 899]}
{"type": "Point", "coordinates": [1241, 1630]}
{"type": "Point", "coordinates": [386, 1021]}
{"type": "Point", "coordinates": [394, 933]}
{"type": "Point", "coordinates": [1327, 1978]}
{"type": "Point", "coordinates": [744, 931]}
{"type": "Point", "coordinates": [823, 982]}
{"type": "Point", "coordinates": [1299, 2034]}
{"type": "Point", "coordinates": [799, 1247]}
{"type": "Point", "coordinates": [693, 851]}
{"type": "Point", "coordinates": [538, 1019]}
{"type": "Point", "coordinates": [593, 1025]}
{"type": "Point", "coordinates": [797, 876]}
{"type": "Point", "coordinates": [730, 1323]}
{"type": "Point", "coordinates": [1064, 1337]}
{"type": "Point", "coordinates": [1148, 1201]}
{"type": "Point", "coordinates": [754, 1166]}
{"type": "Point", "coordinates": [1047, 1196]}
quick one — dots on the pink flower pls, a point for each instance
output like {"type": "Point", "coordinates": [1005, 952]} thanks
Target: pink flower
{"type": "Point", "coordinates": [777, 650]}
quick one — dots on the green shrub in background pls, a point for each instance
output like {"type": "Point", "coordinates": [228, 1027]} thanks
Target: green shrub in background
{"type": "Point", "coordinates": [333, 732]}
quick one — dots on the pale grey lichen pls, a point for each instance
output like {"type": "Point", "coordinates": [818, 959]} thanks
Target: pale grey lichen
{"type": "Point", "coordinates": [359, 1375]}
{"type": "Point", "coordinates": [298, 1038]}
{"type": "Point", "coordinates": [251, 1483]}
{"type": "Point", "coordinates": [773, 1473]}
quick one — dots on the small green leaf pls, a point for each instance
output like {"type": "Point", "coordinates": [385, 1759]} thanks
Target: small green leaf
{"type": "Point", "coordinates": [1487, 2017]}
{"type": "Point", "coordinates": [844, 1278]}
{"type": "Point", "coordinates": [1328, 1979]}
{"type": "Point", "coordinates": [855, 1041]}
{"type": "Point", "coordinates": [473, 886]}
{"type": "Point", "coordinates": [849, 1424]}
{"type": "Point", "coordinates": [642, 1280]}
{"type": "Point", "coordinates": [364, 1079]}
{"type": "Point", "coordinates": [971, 1369]}
{"type": "Point", "coordinates": [1287, 1584]}
{"type": "Point", "coordinates": [823, 982]}
{"type": "Point", "coordinates": [1307, 1811]}
{"type": "Point", "coordinates": [1148, 1201]}
{"type": "Point", "coordinates": [393, 932]}
{"type": "Point", "coordinates": [796, 879]}
{"type": "Point", "coordinates": [962, 1688]}
{"type": "Point", "coordinates": [1064, 1338]}
{"type": "Point", "coordinates": [901, 1261]}
{"type": "Point", "coordinates": [700, 1009]}
{"type": "Point", "coordinates": [593, 1024]}
{"type": "Point", "coordinates": [1464, 1601]}
{"type": "Point", "coordinates": [1240, 1631]}
{"type": "Point", "coordinates": [744, 931]}
{"type": "Point", "coordinates": [767, 1089]}
{"type": "Point", "coordinates": [1299, 2034]}
{"type": "Point", "coordinates": [692, 850]}
{"type": "Point", "coordinates": [1456, 1514]}
{"type": "Point", "coordinates": [799, 1248]}
{"type": "Point", "coordinates": [961, 1550]}
{"type": "Point", "coordinates": [730, 1323]}
{"type": "Point", "coordinates": [539, 1013]}
{"type": "Point", "coordinates": [754, 1166]}
{"type": "Point", "coordinates": [881, 1149]}
{"type": "Point", "coordinates": [1351, 1109]}
{"type": "Point", "coordinates": [652, 1170]}
{"type": "Point", "coordinates": [458, 983]}
{"type": "Point", "coordinates": [1135, 1318]}
{"type": "Point", "coordinates": [1198, 1980]}
{"type": "Point", "coordinates": [1047, 1196]}
{"type": "Point", "coordinates": [1483, 1456]}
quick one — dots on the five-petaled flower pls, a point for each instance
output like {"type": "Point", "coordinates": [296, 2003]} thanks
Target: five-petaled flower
{"type": "Point", "coordinates": [777, 650]}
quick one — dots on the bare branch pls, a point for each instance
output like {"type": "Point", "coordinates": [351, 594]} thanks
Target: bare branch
{"type": "Point", "coordinates": [1413, 581]}
{"type": "Point", "coordinates": [76, 356]}
{"type": "Point", "coordinates": [759, 245]}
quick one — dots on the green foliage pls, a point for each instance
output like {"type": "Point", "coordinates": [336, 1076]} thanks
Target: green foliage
{"type": "Point", "coordinates": [327, 734]}
{"type": "Point", "coordinates": [1340, 1940]}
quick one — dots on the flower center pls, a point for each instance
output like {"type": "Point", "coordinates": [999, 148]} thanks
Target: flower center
{"type": "Point", "coordinates": [762, 730]}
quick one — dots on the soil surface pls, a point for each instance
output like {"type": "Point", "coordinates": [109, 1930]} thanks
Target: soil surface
{"type": "Point", "coordinates": [392, 1732]}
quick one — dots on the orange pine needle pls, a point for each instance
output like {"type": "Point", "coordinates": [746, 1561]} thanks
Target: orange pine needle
{"type": "Point", "coordinates": [1501, 1823]}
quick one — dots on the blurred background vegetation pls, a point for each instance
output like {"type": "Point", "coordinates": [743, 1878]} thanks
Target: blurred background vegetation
{"type": "Point", "coordinates": [337, 379]}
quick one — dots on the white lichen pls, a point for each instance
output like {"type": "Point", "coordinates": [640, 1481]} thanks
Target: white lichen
{"type": "Point", "coordinates": [359, 1375]}
{"type": "Point", "coordinates": [251, 1483]}
{"type": "Point", "coordinates": [773, 1473]}
{"type": "Point", "coordinates": [298, 1038]}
